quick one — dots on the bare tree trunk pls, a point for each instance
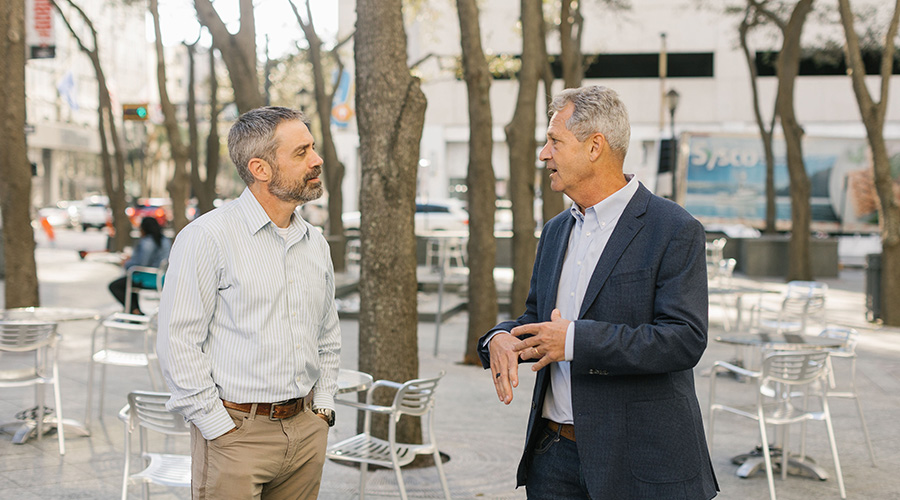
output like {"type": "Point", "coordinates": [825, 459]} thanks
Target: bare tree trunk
{"type": "Point", "coordinates": [212, 140]}
{"type": "Point", "coordinates": [571, 26]}
{"type": "Point", "coordinates": [193, 145]}
{"type": "Point", "coordinates": [15, 170]}
{"type": "Point", "coordinates": [788, 67]}
{"type": "Point", "coordinates": [391, 113]}
{"type": "Point", "coordinates": [551, 201]}
{"type": "Point", "coordinates": [482, 247]}
{"type": "Point", "coordinates": [522, 145]}
{"type": "Point", "coordinates": [179, 184]}
{"type": "Point", "coordinates": [333, 168]}
{"type": "Point", "coordinates": [751, 19]}
{"type": "Point", "coordinates": [113, 161]}
{"type": "Point", "coordinates": [238, 51]}
{"type": "Point", "coordinates": [873, 116]}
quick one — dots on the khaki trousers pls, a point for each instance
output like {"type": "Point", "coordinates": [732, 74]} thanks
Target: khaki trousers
{"type": "Point", "coordinates": [262, 459]}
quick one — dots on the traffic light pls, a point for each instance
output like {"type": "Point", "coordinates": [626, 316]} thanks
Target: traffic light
{"type": "Point", "coordinates": [134, 111]}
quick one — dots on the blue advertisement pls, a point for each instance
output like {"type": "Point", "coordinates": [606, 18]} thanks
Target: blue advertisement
{"type": "Point", "coordinates": [723, 181]}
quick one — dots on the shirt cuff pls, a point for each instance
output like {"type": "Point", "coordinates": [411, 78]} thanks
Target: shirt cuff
{"type": "Point", "coordinates": [570, 341]}
{"type": "Point", "coordinates": [215, 424]}
{"type": "Point", "coordinates": [322, 400]}
{"type": "Point", "coordinates": [492, 335]}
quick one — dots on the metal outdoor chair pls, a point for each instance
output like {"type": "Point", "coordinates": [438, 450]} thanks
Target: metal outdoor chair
{"type": "Point", "coordinates": [784, 384]}
{"type": "Point", "coordinates": [146, 411]}
{"type": "Point", "coordinates": [39, 338]}
{"type": "Point", "coordinates": [715, 251]}
{"type": "Point", "coordinates": [800, 301]}
{"type": "Point", "coordinates": [159, 273]}
{"type": "Point", "coordinates": [121, 340]}
{"type": "Point", "coordinates": [846, 390]}
{"type": "Point", "coordinates": [414, 398]}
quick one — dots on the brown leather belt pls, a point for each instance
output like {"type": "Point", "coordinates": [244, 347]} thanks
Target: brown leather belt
{"type": "Point", "coordinates": [275, 411]}
{"type": "Point", "coordinates": [565, 430]}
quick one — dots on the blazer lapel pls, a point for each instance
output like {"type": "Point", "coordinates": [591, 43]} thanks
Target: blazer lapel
{"type": "Point", "coordinates": [560, 242]}
{"type": "Point", "coordinates": [625, 231]}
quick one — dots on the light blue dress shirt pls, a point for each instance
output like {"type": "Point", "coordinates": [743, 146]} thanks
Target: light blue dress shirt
{"type": "Point", "coordinates": [587, 241]}
{"type": "Point", "coordinates": [247, 315]}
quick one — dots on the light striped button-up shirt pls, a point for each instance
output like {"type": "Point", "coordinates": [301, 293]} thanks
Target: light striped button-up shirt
{"type": "Point", "coordinates": [247, 315]}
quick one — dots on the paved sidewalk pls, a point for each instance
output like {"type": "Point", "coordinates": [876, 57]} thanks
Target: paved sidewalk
{"type": "Point", "coordinates": [482, 437]}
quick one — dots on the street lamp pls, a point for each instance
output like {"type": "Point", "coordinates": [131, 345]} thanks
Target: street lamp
{"type": "Point", "coordinates": [672, 98]}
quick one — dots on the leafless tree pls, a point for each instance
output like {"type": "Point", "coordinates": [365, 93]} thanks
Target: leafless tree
{"type": "Point", "coordinates": [179, 184]}
{"type": "Point", "coordinates": [238, 51]}
{"type": "Point", "coordinates": [522, 145]}
{"type": "Point", "coordinates": [333, 168]}
{"type": "Point", "coordinates": [751, 19]}
{"type": "Point", "coordinates": [787, 68]}
{"type": "Point", "coordinates": [390, 108]}
{"type": "Point", "coordinates": [15, 171]}
{"type": "Point", "coordinates": [873, 115]}
{"type": "Point", "coordinates": [113, 161]}
{"type": "Point", "coordinates": [482, 247]}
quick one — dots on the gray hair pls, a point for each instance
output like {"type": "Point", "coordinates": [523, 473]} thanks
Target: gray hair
{"type": "Point", "coordinates": [253, 136]}
{"type": "Point", "coordinates": [597, 109]}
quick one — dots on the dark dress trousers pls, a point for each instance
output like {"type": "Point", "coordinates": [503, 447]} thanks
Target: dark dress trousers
{"type": "Point", "coordinates": [641, 329]}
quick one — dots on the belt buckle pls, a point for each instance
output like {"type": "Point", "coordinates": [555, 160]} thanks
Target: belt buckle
{"type": "Point", "coordinates": [272, 409]}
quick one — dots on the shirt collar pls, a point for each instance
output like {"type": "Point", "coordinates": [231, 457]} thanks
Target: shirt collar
{"type": "Point", "coordinates": [612, 206]}
{"type": "Point", "coordinates": [257, 218]}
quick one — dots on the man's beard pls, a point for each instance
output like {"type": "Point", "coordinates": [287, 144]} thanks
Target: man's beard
{"type": "Point", "coordinates": [301, 191]}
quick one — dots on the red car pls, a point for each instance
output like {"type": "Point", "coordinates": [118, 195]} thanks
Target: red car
{"type": "Point", "coordinates": [158, 208]}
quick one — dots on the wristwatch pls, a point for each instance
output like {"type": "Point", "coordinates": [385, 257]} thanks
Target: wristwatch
{"type": "Point", "coordinates": [327, 413]}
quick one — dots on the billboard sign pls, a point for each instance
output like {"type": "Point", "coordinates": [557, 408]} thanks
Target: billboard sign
{"type": "Point", "coordinates": [722, 180]}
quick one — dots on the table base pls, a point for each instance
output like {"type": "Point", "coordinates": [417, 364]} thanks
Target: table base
{"type": "Point", "coordinates": [754, 461]}
{"type": "Point", "coordinates": [27, 429]}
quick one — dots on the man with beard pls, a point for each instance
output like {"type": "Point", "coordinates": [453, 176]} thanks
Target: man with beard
{"type": "Point", "coordinates": [249, 340]}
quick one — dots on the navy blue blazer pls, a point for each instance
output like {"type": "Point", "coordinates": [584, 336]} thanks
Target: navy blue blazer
{"type": "Point", "coordinates": [641, 329]}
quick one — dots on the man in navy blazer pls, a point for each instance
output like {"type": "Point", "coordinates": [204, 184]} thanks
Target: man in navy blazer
{"type": "Point", "coordinates": [615, 321]}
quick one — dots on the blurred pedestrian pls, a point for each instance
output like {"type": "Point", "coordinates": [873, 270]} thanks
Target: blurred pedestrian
{"type": "Point", "coordinates": [151, 250]}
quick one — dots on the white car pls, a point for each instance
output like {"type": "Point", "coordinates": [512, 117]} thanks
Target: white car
{"type": "Point", "coordinates": [447, 215]}
{"type": "Point", "coordinates": [94, 212]}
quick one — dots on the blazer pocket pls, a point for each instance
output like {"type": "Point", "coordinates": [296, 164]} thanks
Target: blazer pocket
{"type": "Point", "coordinates": [662, 441]}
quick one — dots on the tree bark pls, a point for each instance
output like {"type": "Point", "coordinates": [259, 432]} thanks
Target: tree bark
{"type": "Point", "coordinates": [113, 161]}
{"type": "Point", "coordinates": [751, 19]}
{"type": "Point", "coordinates": [787, 68]}
{"type": "Point", "coordinates": [480, 181]}
{"type": "Point", "coordinates": [391, 113]}
{"type": "Point", "coordinates": [873, 116]}
{"type": "Point", "coordinates": [333, 169]}
{"type": "Point", "coordinates": [179, 184]}
{"type": "Point", "coordinates": [193, 144]}
{"type": "Point", "coordinates": [551, 201]}
{"type": "Point", "coordinates": [212, 140]}
{"type": "Point", "coordinates": [15, 170]}
{"type": "Point", "coordinates": [237, 50]}
{"type": "Point", "coordinates": [522, 145]}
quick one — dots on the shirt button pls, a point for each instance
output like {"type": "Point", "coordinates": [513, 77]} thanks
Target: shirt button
{"type": "Point", "coordinates": [293, 314]}
{"type": "Point", "coordinates": [588, 234]}
{"type": "Point", "coordinates": [579, 262]}
{"type": "Point", "coordinates": [572, 294]}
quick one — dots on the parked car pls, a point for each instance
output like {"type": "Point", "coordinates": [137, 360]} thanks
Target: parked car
{"type": "Point", "coordinates": [446, 215]}
{"type": "Point", "coordinates": [158, 208]}
{"type": "Point", "coordinates": [94, 212]}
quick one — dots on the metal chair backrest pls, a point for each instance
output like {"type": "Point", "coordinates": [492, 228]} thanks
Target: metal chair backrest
{"type": "Point", "coordinates": [793, 367]}
{"type": "Point", "coordinates": [148, 410]}
{"type": "Point", "coordinates": [849, 336]}
{"type": "Point", "coordinates": [24, 336]}
{"type": "Point", "coordinates": [415, 397]}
